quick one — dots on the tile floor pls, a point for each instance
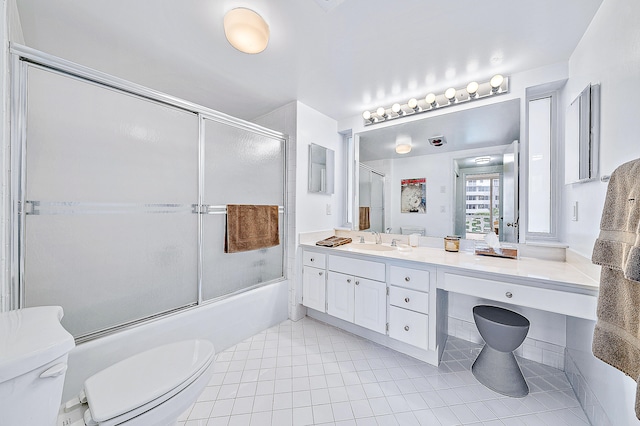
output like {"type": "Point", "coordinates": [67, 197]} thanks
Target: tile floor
{"type": "Point", "coordinates": [310, 373]}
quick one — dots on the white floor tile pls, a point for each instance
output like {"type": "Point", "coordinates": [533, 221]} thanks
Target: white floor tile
{"type": "Point", "coordinates": [308, 373]}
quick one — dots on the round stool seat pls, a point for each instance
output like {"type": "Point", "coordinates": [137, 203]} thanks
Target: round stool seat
{"type": "Point", "coordinates": [502, 329]}
{"type": "Point", "coordinates": [496, 367]}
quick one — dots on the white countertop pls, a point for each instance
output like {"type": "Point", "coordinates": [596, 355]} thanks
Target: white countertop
{"type": "Point", "coordinates": [559, 275]}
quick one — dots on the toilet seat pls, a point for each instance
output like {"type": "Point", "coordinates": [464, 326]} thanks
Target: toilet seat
{"type": "Point", "coordinates": [144, 381]}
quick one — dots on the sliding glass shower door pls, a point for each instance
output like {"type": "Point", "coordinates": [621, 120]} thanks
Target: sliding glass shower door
{"type": "Point", "coordinates": [240, 167]}
{"type": "Point", "coordinates": [110, 180]}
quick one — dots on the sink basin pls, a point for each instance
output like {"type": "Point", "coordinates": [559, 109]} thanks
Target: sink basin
{"type": "Point", "coordinates": [373, 247]}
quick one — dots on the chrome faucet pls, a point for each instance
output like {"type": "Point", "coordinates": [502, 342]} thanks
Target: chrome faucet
{"type": "Point", "coordinates": [387, 231]}
{"type": "Point", "coordinates": [378, 237]}
{"type": "Point", "coordinates": [394, 242]}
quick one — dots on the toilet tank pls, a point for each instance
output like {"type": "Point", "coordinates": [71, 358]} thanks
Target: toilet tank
{"type": "Point", "coordinates": [33, 361]}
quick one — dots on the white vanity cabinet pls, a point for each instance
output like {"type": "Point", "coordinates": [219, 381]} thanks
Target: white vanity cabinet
{"type": "Point", "coordinates": [409, 305]}
{"type": "Point", "coordinates": [356, 292]}
{"type": "Point", "coordinates": [314, 281]}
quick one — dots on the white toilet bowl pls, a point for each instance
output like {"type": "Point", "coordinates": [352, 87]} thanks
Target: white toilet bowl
{"type": "Point", "coordinates": [150, 388]}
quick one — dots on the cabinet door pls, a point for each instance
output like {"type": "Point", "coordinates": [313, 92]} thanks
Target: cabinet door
{"type": "Point", "coordinates": [340, 296]}
{"type": "Point", "coordinates": [313, 288]}
{"type": "Point", "coordinates": [371, 304]}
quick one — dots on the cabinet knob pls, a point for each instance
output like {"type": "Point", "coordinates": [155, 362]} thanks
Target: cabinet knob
{"type": "Point", "coordinates": [348, 280]}
{"type": "Point", "coordinates": [320, 273]}
{"type": "Point", "coordinates": [406, 328]}
{"type": "Point", "coordinates": [357, 282]}
{"type": "Point", "coordinates": [509, 295]}
{"type": "Point", "coordinates": [407, 279]}
{"type": "Point", "coordinates": [313, 259]}
{"type": "Point", "coordinates": [406, 299]}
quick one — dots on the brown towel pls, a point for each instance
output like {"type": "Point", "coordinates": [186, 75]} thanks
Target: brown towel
{"type": "Point", "coordinates": [616, 338]}
{"type": "Point", "coordinates": [364, 218]}
{"type": "Point", "coordinates": [251, 227]}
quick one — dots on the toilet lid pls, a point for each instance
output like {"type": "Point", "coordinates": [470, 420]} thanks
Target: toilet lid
{"type": "Point", "coordinates": [145, 377]}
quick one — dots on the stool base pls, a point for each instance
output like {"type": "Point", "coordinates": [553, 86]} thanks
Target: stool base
{"type": "Point", "coordinates": [500, 372]}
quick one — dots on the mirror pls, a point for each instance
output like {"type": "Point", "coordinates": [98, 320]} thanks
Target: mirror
{"type": "Point", "coordinates": [321, 169]}
{"type": "Point", "coordinates": [445, 181]}
{"type": "Point", "coordinates": [582, 136]}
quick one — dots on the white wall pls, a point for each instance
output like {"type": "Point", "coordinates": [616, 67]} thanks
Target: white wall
{"type": "Point", "coordinates": [307, 211]}
{"type": "Point", "coordinates": [311, 209]}
{"type": "Point", "coordinates": [609, 54]}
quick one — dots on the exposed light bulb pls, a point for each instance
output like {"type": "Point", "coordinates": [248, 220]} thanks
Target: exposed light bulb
{"type": "Point", "coordinates": [472, 88]}
{"type": "Point", "coordinates": [366, 115]}
{"type": "Point", "coordinates": [496, 82]}
{"type": "Point", "coordinates": [381, 112]}
{"type": "Point", "coordinates": [413, 104]}
{"type": "Point", "coordinates": [396, 108]}
{"type": "Point", "coordinates": [450, 94]}
{"type": "Point", "coordinates": [430, 99]}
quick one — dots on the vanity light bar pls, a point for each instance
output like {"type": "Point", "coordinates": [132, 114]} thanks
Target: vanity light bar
{"type": "Point", "coordinates": [498, 85]}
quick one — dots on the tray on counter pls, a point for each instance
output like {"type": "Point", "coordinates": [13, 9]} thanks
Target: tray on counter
{"type": "Point", "coordinates": [506, 252]}
{"type": "Point", "coordinates": [334, 241]}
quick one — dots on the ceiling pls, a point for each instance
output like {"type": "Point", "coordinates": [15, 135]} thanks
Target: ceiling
{"type": "Point", "coordinates": [489, 125]}
{"type": "Point", "coordinates": [336, 56]}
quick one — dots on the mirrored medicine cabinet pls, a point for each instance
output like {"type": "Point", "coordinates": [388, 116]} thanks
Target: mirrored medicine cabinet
{"type": "Point", "coordinates": [321, 169]}
{"type": "Point", "coordinates": [582, 136]}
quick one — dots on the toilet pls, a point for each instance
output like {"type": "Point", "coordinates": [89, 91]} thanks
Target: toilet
{"type": "Point", "coordinates": [150, 388]}
{"type": "Point", "coordinates": [496, 367]}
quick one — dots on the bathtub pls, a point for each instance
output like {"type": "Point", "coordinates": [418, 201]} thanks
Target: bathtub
{"type": "Point", "coordinates": [225, 323]}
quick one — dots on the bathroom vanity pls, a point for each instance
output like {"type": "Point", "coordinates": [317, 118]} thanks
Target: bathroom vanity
{"type": "Point", "coordinates": [398, 296]}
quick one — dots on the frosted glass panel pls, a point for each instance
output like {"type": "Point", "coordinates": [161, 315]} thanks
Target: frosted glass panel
{"type": "Point", "coordinates": [241, 167]}
{"type": "Point", "coordinates": [89, 143]}
{"type": "Point", "coordinates": [106, 270]}
{"type": "Point", "coordinates": [225, 273]}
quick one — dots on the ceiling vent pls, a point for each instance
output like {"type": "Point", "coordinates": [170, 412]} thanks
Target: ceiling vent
{"type": "Point", "coordinates": [437, 140]}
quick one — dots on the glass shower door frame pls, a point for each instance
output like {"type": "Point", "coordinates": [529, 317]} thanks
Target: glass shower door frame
{"type": "Point", "coordinates": [21, 59]}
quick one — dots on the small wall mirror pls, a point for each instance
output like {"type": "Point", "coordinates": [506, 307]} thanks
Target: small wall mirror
{"type": "Point", "coordinates": [321, 169]}
{"type": "Point", "coordinates": [582, 134]}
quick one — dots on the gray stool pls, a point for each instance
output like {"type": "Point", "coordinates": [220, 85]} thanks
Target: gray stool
{"type": "Point", "coordinates": [496, 367]}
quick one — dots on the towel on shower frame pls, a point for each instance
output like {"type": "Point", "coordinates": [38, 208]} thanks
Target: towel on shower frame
{"type": "Point", "coordinates": [616, 338]}
{"type": "Point", "coordinates": [251, 227]}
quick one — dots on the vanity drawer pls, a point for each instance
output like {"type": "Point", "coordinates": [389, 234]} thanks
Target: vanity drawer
{"type": "Point", "coordinates": [360, 268]}
{"type": "Point", "coordinates": [310, 258]}
{"type": "Point", "coordinates": [562, 302]}
{"type": "Point", "coordinates": [409, 299]}
{"type": "Point", "coordinates": [409, 327]}
{"type": "Point", "coordinates": [415, 279]}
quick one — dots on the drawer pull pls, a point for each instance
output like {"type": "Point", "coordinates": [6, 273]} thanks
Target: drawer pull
{"type": "Point", "coordinates": [407, 279]}
{"type": "Point", "coordinates": [509, 295]}
{"type": "Point", "coordinates": [406, 299]}
{"type": "Point", "coordinates": [357, 282]}
{"type": "Point", "coordinates": [320, 273]}
{"type": "Point", "coordinates": [348, 280]}
{"type": "Point", "coordinates": [406, 328]}
{"type": "Point", "coordinates": [313, 259]}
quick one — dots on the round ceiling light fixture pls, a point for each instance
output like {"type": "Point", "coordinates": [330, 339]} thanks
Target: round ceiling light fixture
{"type": "Point", "coordinates": [246, 30]}
{"type": "Point", "coordinates": [403, 144]}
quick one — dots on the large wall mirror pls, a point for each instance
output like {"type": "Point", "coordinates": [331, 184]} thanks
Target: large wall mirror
{"type": "Point", "coordinates": [459, 177]}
